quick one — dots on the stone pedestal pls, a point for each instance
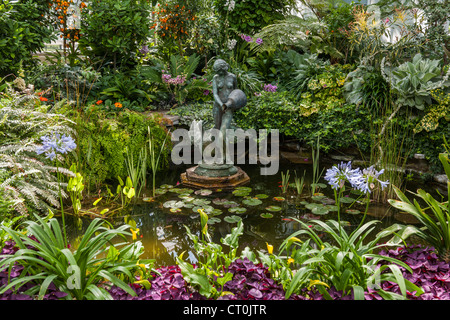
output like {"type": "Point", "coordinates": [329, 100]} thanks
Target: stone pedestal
{"type": "Point", "coordinates": [214, 177]}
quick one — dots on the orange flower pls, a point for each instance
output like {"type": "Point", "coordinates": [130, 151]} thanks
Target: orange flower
{"type": "Point", "coordinates": [118, 105]}
{"type": "Point", "coordinates": [43, 99]}
{"type": "Point", "coordinates": [99, 102]}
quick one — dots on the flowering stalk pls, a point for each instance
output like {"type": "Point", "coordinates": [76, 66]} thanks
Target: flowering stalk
{"type": "Point", "coordinates": [51, 145]}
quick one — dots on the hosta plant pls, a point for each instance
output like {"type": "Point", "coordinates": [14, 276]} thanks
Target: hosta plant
{"type": "Point", "coordinates": [412, 81]}
{"type": "Point", "coordinates": [83, 273]}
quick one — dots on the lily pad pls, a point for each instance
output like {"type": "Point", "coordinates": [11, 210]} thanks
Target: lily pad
{"type": "Point", "coordinates": [219, 201]}
{"type": "Point", "coordinates": [252, 202]}
{"type": "Point", "coordinates": [266, 215]}
{"type": "Point", "coordinates": [201, 202]}
{"type": "Point", "coordinates": [175, 210]}
{"type": "Point", "coordinates": [318, 198]}
{"type": "Point", "coordinates": [148, 199]}
{"type": "Point", "coordinates": [347, 200]}
{"type": "Point", "coordinates": [160, 191]}
{"type": "Point", "coordinates": [205, 207]}
{"type": "Point", "coordinates": [273, 208]}
{"type": "Point", "coordinates": [247, 189]}
{"type": "Point", "coordinates": [261, 196]}
{"type": "Point", "coordinates": [213, 220]}
{"type": "Point", "coordinates": [213, 211]}
{"type": "Point", "coordinates": [232, 219]}
{"type": "Point", "coordinates": [320, 210]}
{"type": "Point", "coordinates": [241, 193]}
{"type": "Point", "coordinates": [186, 197]}
{"type": "Point", "coordinates": [320, 185]}
{"type": "Point", "coordinates": [173, 204]}
{"type": "Point", "coordinates": [238, 210]}
{"type": "Point", "coordinates": [166, 186]}
{"type": "Point", "coordinates": [352, 211]}
{"type": "Point", "coordinates": [279, 198]}
{"type": "Point", "coordinates": [332, 207]}
{"type": "Point", "coordinates": [203, 192]}
{"type": "Point", "coordinates": [231, 204]}
{"type": "Point", "coordinates": [181, 190]}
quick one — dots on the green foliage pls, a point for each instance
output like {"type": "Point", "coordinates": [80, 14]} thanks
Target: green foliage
{"type": "Point", "coordinates": [335, 126]}
{"type": "Point", "coordinates": [434, 218]}
{"type": "Point", "coordinates": [30, 183]}
{"type": "Point", "coordinates": [349, 265]}
{"type": "Point", "coordinates": [79, 273]}
{"type": "Point", "coordinates": [113, 31]}
{"type": "Point", "coordinates": [24, 28]}
{"type": "Point", "coordinates": [104, 142]}
{"type": "Point", "coordinates": [412, 81]}
{"type": "Point", "coordinates": [252, 15]}
{"type": "Point", "coordinates": [209, 277]}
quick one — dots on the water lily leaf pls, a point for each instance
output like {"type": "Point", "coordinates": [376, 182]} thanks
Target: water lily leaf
{"type": "Point", "coordinates": [203, 192]}
{"type": "Point", "coordinates": [166, 186]}
{"type": "Point", "coordinates": [160, 191]}
{"type": "Point", "coordinates": [213, 220]}
{"type": "Point", "coordinates": [311, 206]}
{"type": "Point", "coordinates": [232, 219]}
{"type": "Point", "coordinates": [148, 199]}
{"type": "Point", "coordinates": [266, 215]}
{"type": "Point", "coordinates": [252, 202]}
{"type": "Point", "coordinates": [241, 193]}
{"type": "Point", "coordinates": [261, 196]}
{"type": "Point", "coordinates": [219, 201]}
{"type": "Point", "coordinates": [247, 189]}
{"type": "Point", "coordinates": [213, 211]}
{"type": "Point", "coordinates": [332, 207]}
{"type": "Point", "coordinates": [279, 198]}
{"type": "Point", "coordinates": [186, 197]}
{"type": "Point", "coordinates": [320, 185]}
{"type": "Point", "coordinates": [320, 210]}
{"type": "Point", "coordinates": [238, 210]}
{"type": "Point", "coordinates": [318, 198]}
{"type": "Point", "coordinates": [273, 208]}
{"type": "Point", "coordinates": [201, 202]}
{"type": "Point", "coordinates": [347, 200]}
{"type": "Point", "coordinates": [204, 207]}
{"type": "Point", "coordinates": [304, 203]}
{"type": "Point", "coordinates": [173, 204]}
{"type": "Point", "coordinates": [175, 210]}
{"type": "Point", "coordinates": [231, 204]}
{"type": "Point", "coordinates": [352, 211]}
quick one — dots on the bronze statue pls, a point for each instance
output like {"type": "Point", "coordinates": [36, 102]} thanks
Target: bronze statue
{"type": "Point", "coordinates": [223, 84]}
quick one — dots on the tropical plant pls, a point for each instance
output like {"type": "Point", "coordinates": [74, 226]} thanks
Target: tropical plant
{"type": "Point", "coordinates": [114, 31]}
{"type": "Point", "coordinates": [210, 275]}
{"type": "Point", "coordinates": [412, 81]}
{"type": "Point", "coordinates": [79, 273]}
{"type": "Point", "coordinates": [31, 183]}
{"type": "Point", "coordinates": [350, 263]}
{"type": "Point", "coordinates": [434, 218]}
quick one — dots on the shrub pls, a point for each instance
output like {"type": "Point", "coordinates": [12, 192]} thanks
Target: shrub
{"type": "Point", "coordinates": [24, 28]}
{"type": "Point", "coordinates": [114, 31]}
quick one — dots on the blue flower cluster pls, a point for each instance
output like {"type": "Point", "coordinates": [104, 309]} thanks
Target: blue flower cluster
{"type": "Point", "coordinates": [56, 143]}
{"type": "Point", "coordinates": [363, 180]}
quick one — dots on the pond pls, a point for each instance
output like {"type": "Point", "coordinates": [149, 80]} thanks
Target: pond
{"type": "Point", "coordinates": [266, 212]}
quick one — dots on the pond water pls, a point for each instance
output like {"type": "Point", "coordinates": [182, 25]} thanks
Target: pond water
{"type": "Point", "coordinates": [267, 219]}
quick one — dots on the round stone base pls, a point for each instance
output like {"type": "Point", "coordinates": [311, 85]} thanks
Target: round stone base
{"type": "Point", "coordinates": [192, 179]}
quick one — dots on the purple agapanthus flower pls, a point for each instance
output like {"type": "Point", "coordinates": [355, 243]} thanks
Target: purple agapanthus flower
{"type": "Point", "coordinates": [56, 143]}
{"type": "Point", "coordinates": [259, 41]}
{"type": "Point", "coordinates": [339, 174]}
{"type": "Point", "coordinates": [369, 176]}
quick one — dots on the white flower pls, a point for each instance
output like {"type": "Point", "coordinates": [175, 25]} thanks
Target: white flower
{"type": "Point", "coordinates": [230, 4]}
{"type": "Point", "coordinates": [231, 44]}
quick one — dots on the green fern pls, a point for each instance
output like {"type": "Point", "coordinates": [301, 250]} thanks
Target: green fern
{"type": "Point", "coordinates": [31, 181]}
